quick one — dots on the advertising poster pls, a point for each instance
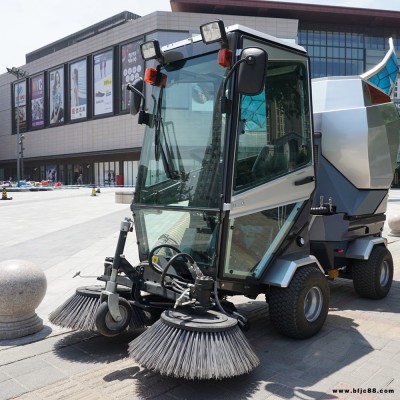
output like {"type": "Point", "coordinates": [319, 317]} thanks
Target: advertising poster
{"type": "Point", "coordinates": [20, 103]}
{"type": "Point", "coordinates": [51, 173]}
{"type": "Point", "coordinates": [103, 83]}
{"type": "Point", "coordinates": [131, 69]}
{"type": "Point", "coordinates": [56, 96]}
{"type": "Point", "coordinates": [78, 89]}
{"type": "Point", "coordinates": [37, 101]}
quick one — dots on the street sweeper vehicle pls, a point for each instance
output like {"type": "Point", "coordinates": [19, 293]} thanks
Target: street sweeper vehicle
{"type": "Point", "coordinates": [245, 187]}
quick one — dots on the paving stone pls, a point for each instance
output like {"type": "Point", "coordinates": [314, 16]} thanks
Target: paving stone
{"type": "Point", "coordinates": [10, 389]}
{"type": "Point", "coordinates": [359, 344]}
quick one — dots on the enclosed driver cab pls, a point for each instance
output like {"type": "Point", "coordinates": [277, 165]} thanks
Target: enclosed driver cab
{"type": "Point", "coordinates": [226, 170]}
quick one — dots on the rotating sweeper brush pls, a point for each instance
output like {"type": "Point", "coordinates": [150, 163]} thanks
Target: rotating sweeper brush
{"type": "Point", "coordinates": [191, 340]}
{"type": "Point", "coordinates": [207, 345]}
{"type": "Point", "coordinates": [104, 308]}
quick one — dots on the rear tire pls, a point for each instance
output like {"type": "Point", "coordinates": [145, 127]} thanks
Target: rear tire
{"type": "Point", "coordinates": [105, 323]}
{"type": "Point", "coordinates": [373, 278]}
{"type": "Point", "coordinates": [300, 310]}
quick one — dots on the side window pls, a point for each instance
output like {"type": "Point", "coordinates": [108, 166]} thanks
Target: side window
{"type": "Point", "coordinates": [254, 239]}
{"type": "Point", "coordinates": [274, 134]}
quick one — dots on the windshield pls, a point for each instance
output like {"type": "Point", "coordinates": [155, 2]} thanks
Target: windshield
{"type": "Point", "coordinates": [181, 154]}
{"type": "Point", "coordinates": [177, 196]}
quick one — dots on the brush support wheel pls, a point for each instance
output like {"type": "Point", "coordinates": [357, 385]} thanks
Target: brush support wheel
{"type": "Point", "coordinates": [105, 323]}
{"type": "Point", "coordinates": [209, 321]}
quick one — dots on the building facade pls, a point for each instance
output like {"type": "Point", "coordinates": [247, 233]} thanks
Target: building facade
{"type": "Point", "coordinates": [74, 117]}
{"type": "Point", "coordinates": [339, 40]}
{"type": "Point", "coordinates": [73, 110]}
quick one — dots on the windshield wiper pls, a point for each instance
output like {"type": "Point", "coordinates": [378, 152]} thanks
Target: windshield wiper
{"type": "Point", "coordinates": [162, 147]}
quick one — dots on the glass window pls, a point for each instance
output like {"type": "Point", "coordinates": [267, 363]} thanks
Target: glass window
{"type": "Point", "coordinates": [336, 67]}
{"type": "Point", "coordinates": [349, 39]}
{"type": "Point", "coordinates": [342, 39]}
{"type": "Point", "coordinates": [185, 147]}
{"type": "Point", "coordinates": [329, 38]}
{"type": "Point", "coordinates": [317, 38]}
{"type": "Point", "coordinates": [335, 39]}
{"type": "Point", "coordinates": [254, 238]}
{"type": "Point", "coordinates": [322, 38]}
{"type": "Point", "coordinates": [315, 67]}
{"type": "Point", "coordinates": [194, 232]}
{"type": "Point", "coordinates": [302, 35]}
{"type": "Point", "coordinates": [336, 52]}
{"type": "Point", "coordinates": [276, 135]}
{"type": "Point", "coordinates": [342, 67]}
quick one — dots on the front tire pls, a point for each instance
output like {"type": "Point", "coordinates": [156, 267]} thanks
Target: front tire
{"type": "Point", "coordinates": [300, 310]}
{"type": "Point", "coordinates": [373, 278]}
{"type": "Point", "coordinates": [105, 323]}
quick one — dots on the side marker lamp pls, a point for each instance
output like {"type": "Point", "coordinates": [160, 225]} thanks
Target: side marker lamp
{"type": "Point", "coordinates": [225, 57]}
{"type": "Point", "coordinates": [154, 77]}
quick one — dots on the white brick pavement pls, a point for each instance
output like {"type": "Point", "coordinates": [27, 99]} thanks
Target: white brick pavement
{"type": "Point", "coordinates": [357, 349]}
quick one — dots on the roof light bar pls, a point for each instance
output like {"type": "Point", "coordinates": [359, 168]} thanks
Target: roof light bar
{"type": "Point", "coordinates": [214, 32]}
{"type": "Point", "coordinates": [151, 50]}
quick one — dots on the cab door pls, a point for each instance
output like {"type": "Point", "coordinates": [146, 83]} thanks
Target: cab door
{"type": "Point", "coordinates": [273, 173]}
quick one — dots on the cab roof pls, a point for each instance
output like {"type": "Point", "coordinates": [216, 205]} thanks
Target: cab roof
{"type": "Point", "coordinates": [237, 27]}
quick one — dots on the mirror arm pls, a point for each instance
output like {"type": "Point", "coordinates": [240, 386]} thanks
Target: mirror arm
{"type": "Point", "coordinates": [143, 117]}
{"type": "Point", "coordinates": [133, 89]}
{"type": "Point", "coordinates": [226, 104]}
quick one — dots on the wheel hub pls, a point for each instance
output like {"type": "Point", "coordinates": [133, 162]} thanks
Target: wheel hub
{"type": "Point", "coordinates": [112, 323]}
{"type": "Point", "coordinates": [313, 304]}
{"type": "Point", "coordinates": [384, 274]}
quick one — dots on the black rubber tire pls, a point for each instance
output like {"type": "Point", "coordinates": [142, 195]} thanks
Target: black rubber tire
{"type": "Point", "coordinates": [300, 310]}
{"type": "Point", "coordinates": [106, 325]}
{"type": "Point", "coordinates": [373, 278]}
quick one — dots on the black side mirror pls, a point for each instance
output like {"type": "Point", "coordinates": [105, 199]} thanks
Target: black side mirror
{"type": "Point", "coordinates": [252, 71]}
{"type": "Point", "coordinates": [136, 95]}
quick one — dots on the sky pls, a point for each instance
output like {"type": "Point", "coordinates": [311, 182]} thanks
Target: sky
{"type": "Point", "coordinates": [28, 25]}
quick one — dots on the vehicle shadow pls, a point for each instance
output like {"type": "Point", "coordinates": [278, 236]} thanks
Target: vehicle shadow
{"type": "Point", "coordinates": [92, 348]}
{"type": "Point", "coordinates": [344, 297]}
{"type": "Point", "coordinates": [287, 366]}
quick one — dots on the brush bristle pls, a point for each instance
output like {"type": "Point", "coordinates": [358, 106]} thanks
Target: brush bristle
{"type": "Point", "coordinates": [77, 312]}
{"type": "Point", "coordinates": [188, 354]}
{"type": "Point", "coordinates": [137, 321]}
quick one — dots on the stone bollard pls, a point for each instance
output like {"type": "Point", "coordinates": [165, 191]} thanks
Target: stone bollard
{"type": "Point", "coordinates": [22, 288]}
{"type": "Point", "coordinates": [394, 224]}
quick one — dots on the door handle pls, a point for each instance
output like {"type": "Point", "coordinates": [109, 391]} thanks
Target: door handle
{"type": "Point", "coordinates": [304, 181]}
